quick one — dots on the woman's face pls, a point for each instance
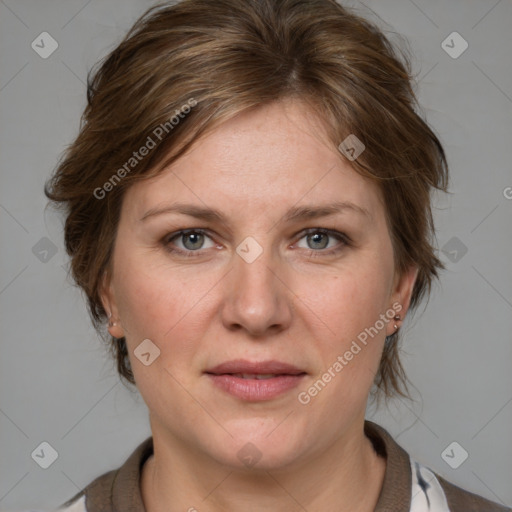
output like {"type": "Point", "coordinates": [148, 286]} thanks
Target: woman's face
{"type": "Point", "coordinates": [277, 284]}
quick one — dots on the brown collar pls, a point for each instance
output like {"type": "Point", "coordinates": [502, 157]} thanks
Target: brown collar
{"type": "Point", "coordinates": [119, 490]}
{"type": "Point", "coordinates": [395, 495]}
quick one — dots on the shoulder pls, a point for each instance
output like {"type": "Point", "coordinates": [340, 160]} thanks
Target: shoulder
{"type": "Point", "coordinates": [97, 493]}
{"type": "Point", "coordinates": [118, 489]}
{"type": "Point", "coordinates": [75, 504]}
{"type": "Point", "coordinates": [412, 487]}
{"type": "Point", "coordinates": [430, 491]}
{"type": "Point", "coordinates": [462, 500]}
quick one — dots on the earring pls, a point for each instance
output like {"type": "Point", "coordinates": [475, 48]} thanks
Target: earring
{"type": "Point", "coordinates": [397, 318]}
{"type": "Point", "coordinates": [110, 323]}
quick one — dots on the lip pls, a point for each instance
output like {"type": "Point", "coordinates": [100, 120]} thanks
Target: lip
{"type": "Point", "coordinates": [261, 367]}
{"type": "Point", "coordinates": [287, 377]}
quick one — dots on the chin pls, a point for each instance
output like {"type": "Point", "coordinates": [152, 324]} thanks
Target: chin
{"type": "Point", "coordinates": [257, 445]}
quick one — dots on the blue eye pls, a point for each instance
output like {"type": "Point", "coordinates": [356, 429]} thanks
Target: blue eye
{"type": "Point", "coordinates": [318, 238]}
{"type": "Point", "coordinates": [193, 240]}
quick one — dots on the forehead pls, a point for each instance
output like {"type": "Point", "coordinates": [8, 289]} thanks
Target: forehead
{"type": "Point", "coordinates": [267, 159]}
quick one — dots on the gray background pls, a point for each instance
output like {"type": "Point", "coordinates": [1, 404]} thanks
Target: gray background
{"type": "Point", "coordinates": [56, 381]}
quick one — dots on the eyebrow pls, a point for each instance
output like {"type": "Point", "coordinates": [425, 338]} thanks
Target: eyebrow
{"type": "Point", "coordinates": [294, 214]}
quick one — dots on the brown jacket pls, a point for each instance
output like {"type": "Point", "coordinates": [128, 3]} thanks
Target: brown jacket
{"type": "Point", "coordinates": [407, 487]}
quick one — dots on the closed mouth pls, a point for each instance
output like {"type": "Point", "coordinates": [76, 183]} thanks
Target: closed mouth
{"type": "Point", "coordinates": [260, 370]}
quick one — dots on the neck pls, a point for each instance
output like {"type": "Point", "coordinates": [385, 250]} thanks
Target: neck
{"type": "Point", "coordinates": [347, 477]}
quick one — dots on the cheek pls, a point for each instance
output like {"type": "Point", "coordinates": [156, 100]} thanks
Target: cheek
{"type": "Point", "coordinates": [350, 306]}
{"type": "Point", "coordinates": [352, 300]}
{"type": "Point", "coordinates": [148, 296]}
{"type": "Point", "coordinates": [164, 305]}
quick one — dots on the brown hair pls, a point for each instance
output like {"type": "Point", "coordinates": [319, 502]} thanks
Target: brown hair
{"type": "Point", "coordinates": [222, 57]}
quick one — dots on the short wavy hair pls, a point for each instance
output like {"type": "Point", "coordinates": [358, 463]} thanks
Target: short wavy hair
{"type": "Point", "coordinates": [230, 56]}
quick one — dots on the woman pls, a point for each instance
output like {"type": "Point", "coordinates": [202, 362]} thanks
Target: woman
{"type": "Point", "coordinates": [248, 211]}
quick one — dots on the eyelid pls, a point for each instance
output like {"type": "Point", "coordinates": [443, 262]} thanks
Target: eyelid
{"type": "Point", "coordinates": [340, 236]}
{"type": "Point", "coordinates": [176, 234]}
{"type": "Point", "coordinates": [343, 238]}
{"type": "Point", "coordinates": [331, 232]}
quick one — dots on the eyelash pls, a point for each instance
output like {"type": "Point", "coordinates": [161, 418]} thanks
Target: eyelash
{"type": "Point", "coordinates": [342, 237]}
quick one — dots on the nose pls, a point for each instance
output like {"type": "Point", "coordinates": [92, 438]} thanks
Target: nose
{"type": "Point", "coordinates": [257, 298]}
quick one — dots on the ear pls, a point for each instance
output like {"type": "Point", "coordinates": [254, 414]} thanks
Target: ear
{"type": "Point", "coordinates": [401, 294]}
{"type": "Point", "coordinates": [107, 295]}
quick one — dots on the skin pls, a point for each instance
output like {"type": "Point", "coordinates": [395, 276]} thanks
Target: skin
{"type": "Point", "coordinates": [294, 303]}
